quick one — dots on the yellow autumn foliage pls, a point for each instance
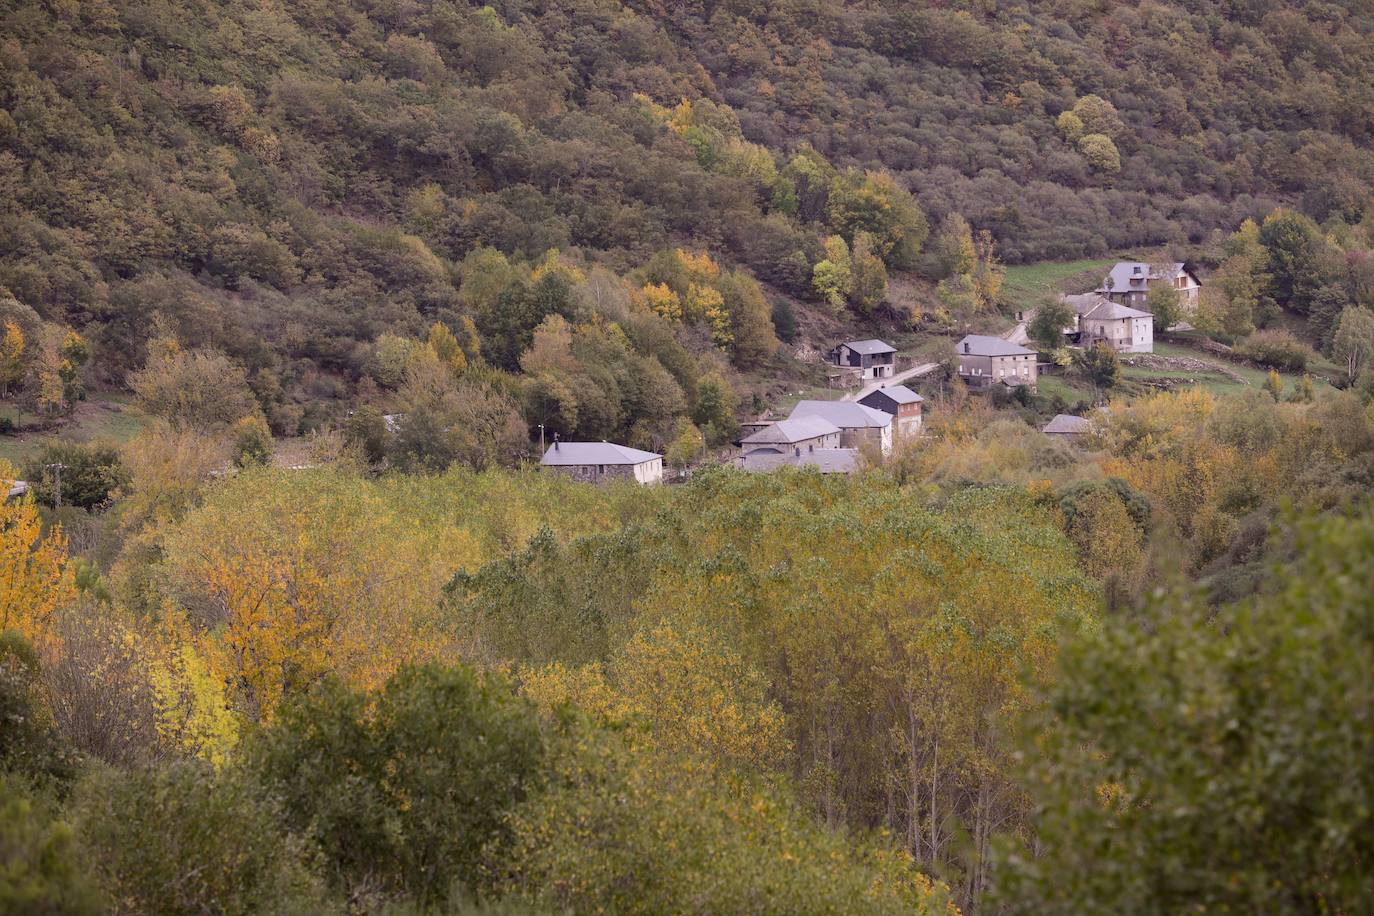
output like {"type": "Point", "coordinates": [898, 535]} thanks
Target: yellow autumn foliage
{"type": "Point", "coordinates": [35, 580]}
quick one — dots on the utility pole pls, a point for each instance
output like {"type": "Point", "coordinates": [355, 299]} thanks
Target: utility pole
{"type": "Point", "coordinates": [541, 440]}
{"type": "Point", "coordinates": [57, 470]}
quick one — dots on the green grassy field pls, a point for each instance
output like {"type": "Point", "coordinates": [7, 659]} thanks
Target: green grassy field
{"type": "Point", "coordinates": [1027, 282]}
{"type": "Point", "coordinates": [89, 422]}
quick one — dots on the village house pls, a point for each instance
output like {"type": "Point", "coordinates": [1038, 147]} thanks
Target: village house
{"type": "Point", "coordinates": [872, 359]}
{"type": "Point", "coordinates": [1124, 329]}
{"type": "Point", "coordinates": [593, 462]}
{"type": "Point", "coordinates": [17, 489]}
{"type": "Point", "coordinates": [987, 361]}
{"type": "Point", "coordinates": [825, 460]}
{"type": "Point", "coordinates": [789, 435]}
{"type": "Point", "coordinates": [902, 403]}
{"type": "Point", "coordinates": [1130, 281]}
{"type": "Point", "coordinates": [1067, 427]}
{"type": "Point", "coordinates": [858, 423]}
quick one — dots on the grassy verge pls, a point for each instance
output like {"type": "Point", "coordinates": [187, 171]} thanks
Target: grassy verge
{"type": "Point", "coordinates": [1025, 283]}
{"type": "Point", "coordinates": [107, 417]}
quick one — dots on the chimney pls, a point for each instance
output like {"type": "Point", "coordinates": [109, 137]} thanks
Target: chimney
{"type": "Point", "coordinates": [555, 442]}
{"type": "Point", "coordinates": [966, 348]}
{"type": "Point", "coordinates": [1136, 269]}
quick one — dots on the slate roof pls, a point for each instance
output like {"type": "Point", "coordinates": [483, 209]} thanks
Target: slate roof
{"type": "Point", "coordinates": [1068, 424]}
{"type": "Point", "coordinates": [981, 345]}
{"type": "Point", "coordinates": [869, 347]}
{"type": "Point", "coordinates": [899, 394]}
{"type": "Point", "coordinates": [1085, 303]}
{"type": "Point", "coordinates": [790, 431]}
{"type": "Point", "coordinates": [825, 460]}
{"type": "Point", "coordinates": [844, 414]}
{"type": "Point", "coordinates": [1107, 310]}
{"type": "Point", "coordinates": [568, 453]}
{"type": "Point", "coordinates": [1125, 271]}
{"type": "Point", "coordinates": [18, 488]}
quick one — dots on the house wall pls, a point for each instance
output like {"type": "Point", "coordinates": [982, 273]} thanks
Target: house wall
{"type": "Point", "coordinates": [648, 472]}
{"type": "Point", "coordinates": [983, 371]}
{"type": "Point", "coordinates": [829, 440]}
{"type": "Point", "coordinates": [1126, 335]}
{"type": "Point", "coordinates": [857, 436]}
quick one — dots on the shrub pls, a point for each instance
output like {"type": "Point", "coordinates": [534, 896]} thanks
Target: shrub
{"type": "Point", "coordinates": [90, 474]}
{"type": "Point", "coordinates": [180, 839]}
{"type": "Point", "coordinates": [39, 868]}
{"type": "Point", "coordinates": [403, 790]}
{"type": "Point", "coordinates": [1276, 349]}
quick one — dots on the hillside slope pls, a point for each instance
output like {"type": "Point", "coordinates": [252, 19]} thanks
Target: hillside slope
{"type": "Point", "coordinates": [286, 181]}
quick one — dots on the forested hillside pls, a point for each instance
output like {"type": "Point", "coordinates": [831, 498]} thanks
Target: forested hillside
{"type": "Point", "coordinates": [286, 182]}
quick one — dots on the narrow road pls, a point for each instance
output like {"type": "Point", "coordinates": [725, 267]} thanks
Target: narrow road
{"type": "Point", "coordinates": [897, 379]}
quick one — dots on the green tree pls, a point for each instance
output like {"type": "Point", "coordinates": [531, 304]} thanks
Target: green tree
{"type": "Point", "coordinates": [869, 275]}
{"type": "Point", "coordinates": [1273, 384]}
{"type": "Point", "coordinates": [42, 869]}
{"type": "Point", "coordinates": [199, 390]}
{"type": "Point", "coordinates": [407, 788]}
{"type": "Point", "coordinates": [91, 474]}
{"type": "Point", "coordinates": [1353, 342]}
{"type": "Point", "coordinates": [1099, 365]}
{"type": "Point", "coordinates": [11, 357]}
{"type": "Point", "coordinates": [1046, 328]}
{"type": "Point", "coordinates": [1162, 301]}
{"type": "Point", "coordinates": [1100, 152]}
{"type": "Point", "coordinates": [833, 277]}
{"type": "Point", "coordinates": [715, 408]}
{"type": "Point", "coordinates": [1295, 249]}
{"type": "Point", "coordinates": [252, 445]}
{"type": "Point", "coordinates": [180, 838]}
{"type": "Point", "coordinates": [874, 202]}
{"type": "Point", "coordinates": [1209, 764]}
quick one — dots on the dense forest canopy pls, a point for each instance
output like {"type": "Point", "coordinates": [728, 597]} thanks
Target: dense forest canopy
{"type": "Point", "coordinates": [286, 182]}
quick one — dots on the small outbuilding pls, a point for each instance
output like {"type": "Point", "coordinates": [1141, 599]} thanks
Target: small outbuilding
{"type": "Point", "coordinates": [1067, 426]}
{"type": "Point", "coordinates": [593, 462]}
{"type": "Point", "coordinates": [872, 358]}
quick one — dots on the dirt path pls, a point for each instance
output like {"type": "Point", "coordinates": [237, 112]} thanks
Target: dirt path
{"type": "Point", "coordinates": [897, 379]}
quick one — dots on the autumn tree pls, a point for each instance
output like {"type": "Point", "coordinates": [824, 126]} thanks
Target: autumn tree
{"type": "Point", "coordinates": [1154, 738]}
{"type": "Point", "coordinates": [12, 366]}
{"type": "Point", "coordinates": [194, 389]}
{"type": "Point", "coordinates": [833, 277]}
{"type": "Point", "coordinates": [1353, 342]}
{"type": "Point", "coordinates": [35, 578]}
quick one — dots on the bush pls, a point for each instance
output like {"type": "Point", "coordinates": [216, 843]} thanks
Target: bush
{"type": "Point", "coordinates": [404, 792]}
{"type": "Point", "coordinates": [180, 839]}
{"type": "Point", "coordinates": [1277, 349]}
{"type": "Point", "coordinates": [90, 474]}
{"type": "Point", "coordinates": [39, 868]}
{"type": "Point", "coordinates": [29, 745]}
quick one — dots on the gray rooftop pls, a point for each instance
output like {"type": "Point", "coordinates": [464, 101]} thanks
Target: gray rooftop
{"type": "Point", "coordinates": [1123, 272]}
{"type": "Point", "coordinates": [1068, 424]}
{"type": "Point", "coordinates": [1106, 310]}
{"type": "Point", "coordinates": [18, 488]}
{"type": "Point", "coordinates": [900, 394]}
{"type": "Point", "coordinates": [788, 431]}
{"type": "Point", "coordinates": [566, 453]}
{"type": "Point", "coordinates": [869, 347]}
{"type": "Point", "coordinates": [981, 345]}
{"type": "Point", "coordinates": [825, 460]}
{"type": "Point", "coordinates": [844, 414]}
{"type": "Point", "coordinates": [1085, 303]}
